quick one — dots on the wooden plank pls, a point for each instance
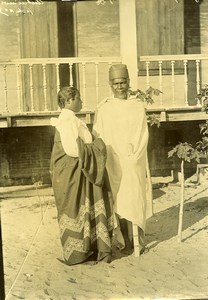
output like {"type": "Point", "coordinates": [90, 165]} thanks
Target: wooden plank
{"type": "Point", "coordinates": [163, 40]}
{"type": "Point", "coordinates": [3, 123]}
{"type": "Point", "coordinates": [64, 60]}
{"type": "Point", "coordinates": [43, 119]}
{"type": "Point", "coordinates": [30, 121]}
{"type": "Point", "coordinates": [174, 57]}
{"type": "Point", "coordinates": [185, 116]}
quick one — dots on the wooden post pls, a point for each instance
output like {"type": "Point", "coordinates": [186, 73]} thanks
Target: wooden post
{"type": "Point", "coordinates": [180, 223]}
{"type": "Point", "coordinates": [128, 38]}
{"type": "Point", "coordinates": [136, 240]}
{"type": "Point", "coordinates": [149, 185]}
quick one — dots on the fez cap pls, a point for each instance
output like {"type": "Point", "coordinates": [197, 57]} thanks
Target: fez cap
{"type": "Point", "coordinates": [118, 71]}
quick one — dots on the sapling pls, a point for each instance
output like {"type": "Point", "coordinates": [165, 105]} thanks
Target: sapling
{"type": "Point", "coordinates": [185, 152]}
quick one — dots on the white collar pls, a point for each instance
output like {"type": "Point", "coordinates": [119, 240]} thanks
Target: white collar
{"type": "Point", "coordinates": [66, 113]}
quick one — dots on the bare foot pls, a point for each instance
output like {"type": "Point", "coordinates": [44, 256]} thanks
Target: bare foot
{"type": "Point", "coordinates": [144, 250]}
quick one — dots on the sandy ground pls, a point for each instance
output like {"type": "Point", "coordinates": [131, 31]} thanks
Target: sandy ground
{"type": "Point", "coordinates": [33, 254]}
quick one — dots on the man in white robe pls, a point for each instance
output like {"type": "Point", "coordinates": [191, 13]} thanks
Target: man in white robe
{"type": "Point", "coordinates": [121, 123]}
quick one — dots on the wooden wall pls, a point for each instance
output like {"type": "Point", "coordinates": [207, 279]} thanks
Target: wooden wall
{"type": "Point", "coordinates": [160, 28]}
{"type": "Point", "coordinates": [9, 49]}
{"type": "Point", "coordinates": [38, 39]}
{"type": "Point", "coordinates": [98, 29]}
{"type": "Point", "coordinates": [192, 42]}
{"type": "Point", "coordinates": [98, 35]}
{"type": "Point", "coordinates": [204, 37]}
{"type": "Point", "coordinates": [38, 32]}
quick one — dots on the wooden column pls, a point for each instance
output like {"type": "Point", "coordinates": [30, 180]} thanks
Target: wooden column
{"type": "Point", "coordinates": [128, 38]}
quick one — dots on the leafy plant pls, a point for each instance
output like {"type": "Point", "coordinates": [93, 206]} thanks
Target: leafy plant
{"type": "Point", "coordinates": [204, 128]}
{"type": "Point", "coordinates": [147, 97]}
{"type": "Point", "coordinates": [202, 98]}
{"type": "Point", "coordinates": [153, 120]}
{"type": "Point", "coordinates": [102, 2]}
{"type": "Point", "coordinates": [202, 146]}
{"type": "Point", "coordinates": [185, 152]}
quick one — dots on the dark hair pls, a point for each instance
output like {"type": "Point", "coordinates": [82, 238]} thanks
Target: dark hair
{"type": "Point", "coordinates": [66, 93]}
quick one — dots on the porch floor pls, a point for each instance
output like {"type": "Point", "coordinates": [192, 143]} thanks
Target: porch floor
{"type": "Point", "coordinates": [37, 118]}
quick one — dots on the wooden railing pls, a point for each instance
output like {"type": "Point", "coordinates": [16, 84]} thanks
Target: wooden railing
{"type": "Point", "coordinates": [179, 77]}
{"type": "Point", "coordinates": [31, 85]}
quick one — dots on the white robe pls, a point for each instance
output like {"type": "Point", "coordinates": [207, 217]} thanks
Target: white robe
{"type": "Point", "coordinates": [123, 127]}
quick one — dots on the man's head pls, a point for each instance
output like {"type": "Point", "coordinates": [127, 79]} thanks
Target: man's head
{"type": "Point", "coordinates": [119, 80]}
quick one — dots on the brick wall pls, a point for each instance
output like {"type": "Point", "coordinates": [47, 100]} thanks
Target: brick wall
{"type": "Point", "coordinates": [164, 139]}
{"type": "Point", "coordinates": [25, 152]}
{"type": "Point", "coordinates": [26, 155]}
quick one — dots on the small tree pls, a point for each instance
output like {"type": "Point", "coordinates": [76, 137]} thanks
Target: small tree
{"type": "Point", "coordinates": [185, 152]}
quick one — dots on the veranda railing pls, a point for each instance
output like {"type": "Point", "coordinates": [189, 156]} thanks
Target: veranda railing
{"type": "Point", "coordinates": [179, 77]}
{"type": "Point", "coordinates": [31, 85]}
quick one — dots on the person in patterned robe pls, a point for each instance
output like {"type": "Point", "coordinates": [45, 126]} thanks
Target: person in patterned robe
{"type": "Point", "coordinates": [82, 198]}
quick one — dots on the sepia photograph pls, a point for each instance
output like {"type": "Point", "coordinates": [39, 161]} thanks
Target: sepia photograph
{"type": "Point", "coordinates": [103, 149]}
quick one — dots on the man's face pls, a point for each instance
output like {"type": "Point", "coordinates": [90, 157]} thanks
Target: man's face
{"type": "Point", "coordinates": [120, 87]}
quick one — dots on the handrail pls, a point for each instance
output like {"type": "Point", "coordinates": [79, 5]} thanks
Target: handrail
{"type": "Point", "coordinates": [176, 57]}
{"type": "Point", "coordinates": [61, 60]}
{"type": "Point", "coordinates": [179, 77]}
{"type": "Point", "coordinates": [30, 84]}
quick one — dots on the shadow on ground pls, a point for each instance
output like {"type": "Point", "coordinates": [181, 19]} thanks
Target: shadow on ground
{"type": "Point", "coordinates": [25, 191]}
{"type": "Point", "coordinates": [164, 225]}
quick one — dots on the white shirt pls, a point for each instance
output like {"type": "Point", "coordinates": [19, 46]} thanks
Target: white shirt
{"type": "Point", "coordinates": [70, 127]}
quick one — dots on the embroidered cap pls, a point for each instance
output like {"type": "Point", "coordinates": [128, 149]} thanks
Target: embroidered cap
{"type": "Point", "coordinates": [118, 71]}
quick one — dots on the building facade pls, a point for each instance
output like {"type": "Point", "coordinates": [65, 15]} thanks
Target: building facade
{"type": "Point", "coordinates": [51, 44]}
